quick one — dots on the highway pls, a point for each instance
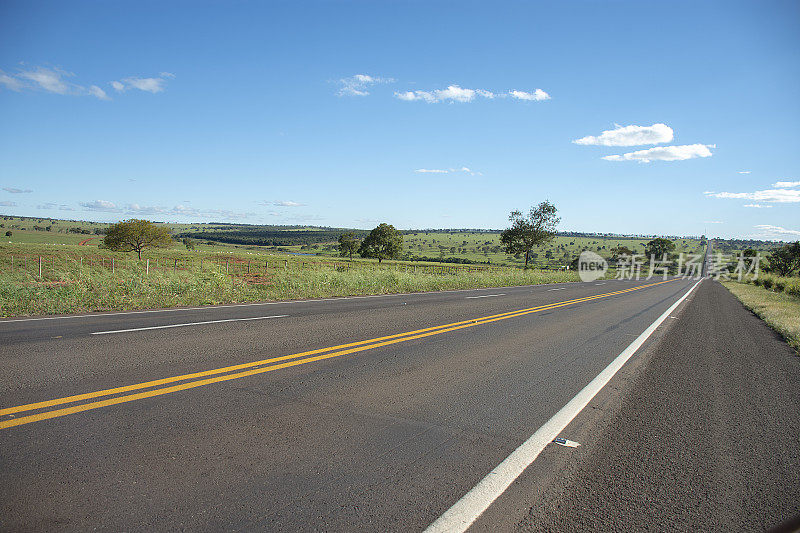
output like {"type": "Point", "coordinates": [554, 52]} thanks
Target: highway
{"type": "Point", "coordinates": [387, 413]}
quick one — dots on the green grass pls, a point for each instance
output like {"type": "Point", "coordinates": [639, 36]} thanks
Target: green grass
{"type": "Point", "coordinates": [79, 279]}
{"type": "Point", "coordinates": [780, 311]}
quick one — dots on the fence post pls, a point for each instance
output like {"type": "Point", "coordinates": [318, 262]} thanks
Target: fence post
{"type": "Point", "coordinates": [285, 264]}
{"type": "Point", "coordinates": [40, 266]}
{"type": "Point", "coordinates": [112, 265]}
{"type": "Point", "coordinates": [147, 267]}
{"type": "Point", "coordinates": [226, 266]}
{"type": "Point", "coordinates": [12, 264]}
{"type": "Point", "coordinates": [248, 267]}
{"type": "Point", "coordinates": [201, 264]}
{"type": "Point", "coordinates": [175, 267]}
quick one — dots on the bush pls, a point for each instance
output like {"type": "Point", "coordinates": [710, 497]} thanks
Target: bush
{"type": "Point", "coordinates": [767, 283]}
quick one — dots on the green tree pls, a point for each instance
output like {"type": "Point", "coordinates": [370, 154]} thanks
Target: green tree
{"type": "Point", "coordinates": [135, 235]}
{"type": "Point", "coordinates": [658, 247]}
{"type": "Point", "coordinates": [8, 234]}
{"type": "Point", "coordinates": [383, 242]}
{"type": "Point", "coordinates": [188, 243]}
{"type": "Point", "coordinates": [348, 244]}
{"type": "Point", "coordinates": [785, 260]}
{"type": "Point", "coordinates": [536, 229]}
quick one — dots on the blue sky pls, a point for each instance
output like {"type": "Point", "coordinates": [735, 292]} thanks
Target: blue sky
{"type": "Point", "coordinates": [326, 113]}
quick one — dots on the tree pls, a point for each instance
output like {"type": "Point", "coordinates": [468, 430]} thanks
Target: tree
{"type": "Point", "coordinates": [8, 234]}
{"type": "Point", "coordinates": [658, 247]}
{"type": "Point", "coordinates": [188, 243]}
{"type": "Point", "coordinates": [536, 229]}
{"type": "Point", "coordinates": [135, 235]}
{"type": "Point", "coordinates": [348, 244]}
{"type": "Point", "coordinates": [621, 251]}
{"type": "Point", "coordinates": [383, 242]}
{"type": "Point", "coordinates": [784, 260]}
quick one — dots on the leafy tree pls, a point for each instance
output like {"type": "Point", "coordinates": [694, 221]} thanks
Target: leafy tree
{"type": "Point", "coordinates": [383, 242]}
{"type": "Point", "coordinates": [785, 260]}
{"type": "Point", "coordinates": [8, 234]}
{"type": "Point", "coordinates": [621, 251]}
{"type": "Point", "coordinates": [348, 244]}
{"type": "Point", "coordinates": [188, 243]}
{"type": "Point", "coordinates": [658, 247]}
{"type": "Point", "coordinates": [534, 230]}
{"type": "Point", "coordinates": [135, 235]}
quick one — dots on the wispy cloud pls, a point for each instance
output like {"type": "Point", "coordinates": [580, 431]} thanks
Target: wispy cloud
{"type": "Point", "coordinates": [757, 206]}
{"type": "Point", "coordinates": [48, 79]}
{"type": "Point", "coordinates": [537, 95]}
{"type": "Point", "coordinates": [448, 171]}
{"type": "Point", "coordinates": [101, 205]}
{"type": "Point", "coordinates": [665, 153]}
{"type": "Point", "coordinates": [182, 210]}
{"type": "Point", "coordinates": [781, 196]}
{"type": "Point", "coordinates": [768, 231]}
{"type": "Point", "coordinates": [97, 92]}
{"type": "Point", "coordinates": [786, 184]}
{"type": "Point", "coordinates": [56, 80]}
{"type": "Point", "coordinates": [282, 203]}
{"type": "Point", "coordinates": [630, 136]}
{"type": "Point", "coordinates": [745, 171]}
{"type": "Point", "coordinates": [359, 84]}
{"type": "Point", "coordinates": [456, 93]}
{"type": "Point", "coordinates": [713, 222]}
{"type": "Point", "coordinates": [6, 203]}
{"type": "Point", "coordinates": [150, 85]}
{"type": "Point", "coordinates": [14, 190]}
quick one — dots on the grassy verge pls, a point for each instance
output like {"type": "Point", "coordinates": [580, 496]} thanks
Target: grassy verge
{"type": "Point", "coordinates": [81, 288]}
{"type": "Point", "coordinates": [780, 311]}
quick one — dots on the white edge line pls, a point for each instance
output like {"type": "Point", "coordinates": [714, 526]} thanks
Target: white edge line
{"type": "Point", "coordinates": [487, 295]}
{"type": "Point", "coordinates": [187, 324]}
{"type": "Point", "coordinates": [466, 510]}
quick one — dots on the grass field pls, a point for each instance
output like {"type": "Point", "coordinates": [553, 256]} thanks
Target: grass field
{"type": "Point", "coordinates": [779, 310]}
{"type": "Point", "coordinates": [38, 279]}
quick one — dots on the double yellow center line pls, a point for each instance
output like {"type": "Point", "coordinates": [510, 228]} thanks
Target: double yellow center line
{"type": "Point", "coordinates": [199, 379]}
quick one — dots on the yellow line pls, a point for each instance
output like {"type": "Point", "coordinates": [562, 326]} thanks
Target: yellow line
{"type": "Point", "coordinates": [359, 347]}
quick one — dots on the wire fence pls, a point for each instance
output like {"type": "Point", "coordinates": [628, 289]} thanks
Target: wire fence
{"type": "Point", "coordinates": [54, 266]}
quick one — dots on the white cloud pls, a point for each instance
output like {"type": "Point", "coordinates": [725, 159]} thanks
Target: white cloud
{"type": "Point", "coordinates": [51, 80]}
{"type": "Point", "coordinates": [781, 196]}
{"type": "Point", "coordinates": [786, 184]}
{"type": "Point", "coordinates": [357, 85]}
{"type": "Point", "coordinates": [14, 190]}
{"type": "Point", "coordinates": [745, 171]}
{"type": "Point", "coordinates": [10, 82]}
{"type": "Point", "coordinates": [758, 206]}
{"type": "Point", "coordinates": [96, 91]}
{"type": "Point", "coordinates": [456, 93]}
{"type": "Point", "coordinates": [65, 208]}
{"type": "Point", "coordinates": [453, 93]}
{"type": "Point", "coordinates": [448, 171]}
{"type": "Point", "coordinates": [6, 203]}
{"type": "Point", "coordinates": [55, 80]}
{"type": "Point", "coordinates": [630, 136]}
{"type": "Point", "coordinates": [537, 96]}
{"type": "Point", "coordinates": [150, 85]}
{"type": "Point", "coordinates": [100, 205]}
{"type": "Point", "coordinates": [767, 231]}
{"type": "Point", "coordinates": [713, 222]}
{"type": "Point", "coordinates": [287, 203]}
{"type": "Point", "coordinates": [665, 153]}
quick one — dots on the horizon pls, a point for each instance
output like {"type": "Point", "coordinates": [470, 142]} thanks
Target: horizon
{"type": "Point", "coordinates": [330, 114]}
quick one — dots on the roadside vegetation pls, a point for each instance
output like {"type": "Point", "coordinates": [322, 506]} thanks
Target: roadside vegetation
{"type": "Point", "coordinates": [71, 283]}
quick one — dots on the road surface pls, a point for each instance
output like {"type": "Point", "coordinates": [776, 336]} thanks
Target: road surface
{"type": "Point", "coordinates": [381, 413]}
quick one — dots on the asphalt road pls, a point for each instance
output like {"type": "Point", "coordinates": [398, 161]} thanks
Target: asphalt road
{"type": "Point", "coordinates": [379, 435]}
